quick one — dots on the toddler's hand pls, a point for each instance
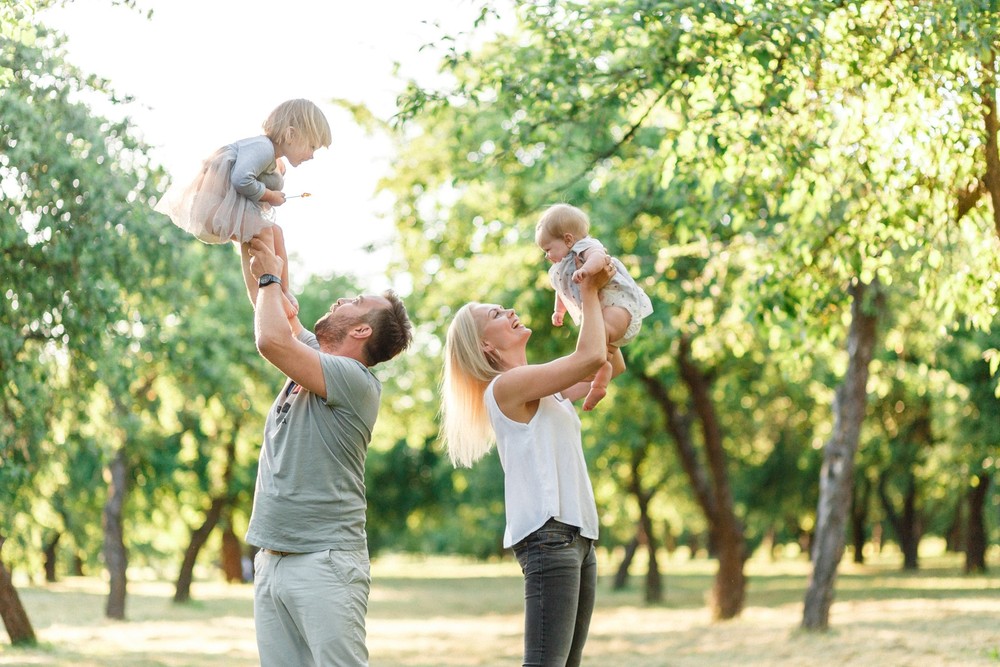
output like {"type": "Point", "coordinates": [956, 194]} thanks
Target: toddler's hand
{"type": "Point", "coordinates": [579, 276]}
{"type": "Point", "coordinates": [557, 319]}
{"type": "Point", "coordinates": [273, 197]}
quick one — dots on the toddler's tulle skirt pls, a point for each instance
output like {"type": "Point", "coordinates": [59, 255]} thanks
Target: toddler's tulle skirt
{"type": "Point", "coordinates": [211, 209]}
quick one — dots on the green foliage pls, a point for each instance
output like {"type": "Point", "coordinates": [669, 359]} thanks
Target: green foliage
{"type": "Point", "coordinates": [119, 331]}
{"type": "Point", "coordinates": [75, 245]}
{"type": "Point", "coordinates": [746, 162]}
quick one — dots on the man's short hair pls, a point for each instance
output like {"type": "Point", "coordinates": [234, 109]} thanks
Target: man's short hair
{"type": "Point", "coordinates": [392, 331]}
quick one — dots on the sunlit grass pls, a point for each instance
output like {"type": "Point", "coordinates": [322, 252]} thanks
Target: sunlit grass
{"type": "Point", "coordinates": [442, 612]}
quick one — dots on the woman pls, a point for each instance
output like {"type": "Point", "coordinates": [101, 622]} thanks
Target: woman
{"type": "Point", "coordinates": [491, 392]}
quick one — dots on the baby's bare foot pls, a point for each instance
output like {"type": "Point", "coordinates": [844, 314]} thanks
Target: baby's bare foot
{"type": "Point", "coordinates": [594, 397]}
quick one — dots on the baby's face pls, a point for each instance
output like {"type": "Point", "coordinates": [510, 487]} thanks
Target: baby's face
{"type": "Point", "coordinates": [555, 249]}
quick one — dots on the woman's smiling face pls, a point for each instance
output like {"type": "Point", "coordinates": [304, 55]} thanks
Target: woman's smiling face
{"type": "Point", "coordinates": [500, 327]}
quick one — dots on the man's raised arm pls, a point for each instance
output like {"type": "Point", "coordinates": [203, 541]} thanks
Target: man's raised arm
{"type": "Point", "coordinates": [251, 285]}
{"type": "Point", "coordinates": [276, 340]}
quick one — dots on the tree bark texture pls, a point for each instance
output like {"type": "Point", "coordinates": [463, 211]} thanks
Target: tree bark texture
{"type": "Point", "coordinates": [115, 556]}
{"type": "Point", "coordinates": [975, 544]}
{"type": "Point", "coordinates": [837, 472]}
{"type": "Point", "coordinates": [15, 618]}
{"type": "Point", "coordinates": [710, 486]}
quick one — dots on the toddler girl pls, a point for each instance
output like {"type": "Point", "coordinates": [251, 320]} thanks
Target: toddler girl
{"type": "Point", "coordinates": [562, 233]}
{"type": "Point", "coordinates": [234, 195]}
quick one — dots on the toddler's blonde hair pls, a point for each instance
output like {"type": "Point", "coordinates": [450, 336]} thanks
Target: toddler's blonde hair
{"type": "Point", "coordinates": [560, 219]}
{"type": "Point", "coordinates": [301, 115]}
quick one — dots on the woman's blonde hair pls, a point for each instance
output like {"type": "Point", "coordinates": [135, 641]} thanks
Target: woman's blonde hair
{"type": "Point", "coordinates": [467, 431]}
{"type": "Point", "coordinates": [301, 115]}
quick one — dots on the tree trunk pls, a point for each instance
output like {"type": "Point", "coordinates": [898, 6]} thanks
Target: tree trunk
{"type": "Point", "coordinates": [115, 556]}
{"type": "Point", "coordinates": [50, 558]}
{"type": "Point", "coordinates": [954, 537]}
{"type": "Point", "coordinates": [654, 583]}
{"type": "Point", "coordinates": [232, 555]}
{"type": "Point", "coordinates": [975, 545]}
{"type": "Point", "coordinates": [859, 518]}
{"type": "Point", "coordinates": [726, 531]}
{"type": "Point", "coordinates": [621, 575]}
{"type": "Point", "coordinates": [904, 523]}
{"type": "Point", "coordinates": [911, 525]}
{"type": "Point", "coordinates": [711, 487]}
{"type": "Point", "coordinates": [837, 472]}
{"type": "Point", "coordinates": [199, 536]}
{"type": "Point", "coordinates": [182, 592]}
{"type": "Point", "coordinates": [15, 618]}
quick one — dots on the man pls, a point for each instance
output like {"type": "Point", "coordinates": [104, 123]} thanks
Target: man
{"type": "Point", "coordinates": [312, 576]}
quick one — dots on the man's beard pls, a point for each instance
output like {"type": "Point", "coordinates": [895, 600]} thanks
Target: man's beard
{"type": "Point", "coordinates": [332, 330]}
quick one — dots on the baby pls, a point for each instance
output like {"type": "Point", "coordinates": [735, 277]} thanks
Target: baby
{"type": "Point", "coordinates": [562, 233]}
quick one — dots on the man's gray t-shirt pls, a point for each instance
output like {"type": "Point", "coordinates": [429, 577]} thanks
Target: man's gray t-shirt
{"type": "Point", "coordinates": [310, 492]}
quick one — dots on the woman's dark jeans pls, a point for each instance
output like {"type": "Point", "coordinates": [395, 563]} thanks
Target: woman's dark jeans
{"type": "Point", "coordinates": [560, 580]}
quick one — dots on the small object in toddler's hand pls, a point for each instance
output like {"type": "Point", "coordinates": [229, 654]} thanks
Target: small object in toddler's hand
{"type": "Point", "coordinates": [304, 194]}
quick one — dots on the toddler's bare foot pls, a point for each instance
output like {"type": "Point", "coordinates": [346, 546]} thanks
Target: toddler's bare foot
{"type": "Point", "coordinates": [594, 397]}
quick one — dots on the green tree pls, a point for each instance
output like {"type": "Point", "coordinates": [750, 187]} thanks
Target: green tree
{"type": "Point", "coordinates": [770, 165]}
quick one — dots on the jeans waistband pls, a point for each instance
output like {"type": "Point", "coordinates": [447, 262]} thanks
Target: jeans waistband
{"type": "Point", "coordinates": [555, 523]}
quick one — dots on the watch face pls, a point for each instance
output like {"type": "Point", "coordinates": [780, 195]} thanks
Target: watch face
{"type": "Point", "coordinates": [266, 279]}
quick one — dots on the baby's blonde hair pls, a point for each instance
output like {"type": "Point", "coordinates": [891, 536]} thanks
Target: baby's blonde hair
{"type": "Point", "coordinates": [560, 219]}
{"type": "Point", "coordinates": [466, 426]}
{"type": "Point", "coordinates": [301, 115]}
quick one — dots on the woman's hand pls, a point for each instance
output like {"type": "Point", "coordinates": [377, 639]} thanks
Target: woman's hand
{"type": "Point", "coordinates": [598, 279]}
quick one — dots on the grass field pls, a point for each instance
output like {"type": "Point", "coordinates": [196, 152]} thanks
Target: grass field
{"type": "Point", "coordinates": [444, 612]}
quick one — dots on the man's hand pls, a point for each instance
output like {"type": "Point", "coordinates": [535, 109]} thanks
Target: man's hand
{"type": "Point", "coordinates": [263, 260]}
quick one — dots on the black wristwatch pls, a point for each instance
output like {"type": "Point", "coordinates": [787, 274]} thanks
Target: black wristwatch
{"type": "Point", "coordinates": [267, 279]}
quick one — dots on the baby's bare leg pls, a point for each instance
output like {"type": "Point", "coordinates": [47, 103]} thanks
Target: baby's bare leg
{"type": "Point", "coordinates": [598, 387]}
{"type": "Point", "coordinates": [274, 238]}
{"type": "Point", "coordinates": [616, 321]}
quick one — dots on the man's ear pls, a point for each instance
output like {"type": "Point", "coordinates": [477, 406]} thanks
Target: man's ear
{"type": "Point", "coordinates": [361, 330]}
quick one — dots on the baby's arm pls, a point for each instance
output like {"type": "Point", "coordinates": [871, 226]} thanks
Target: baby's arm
{"type": "Point", "coordinates": [559, 312]}
{"type": "Point", "coordinates": [252, 160]}
{"type": "Point", "coordinates": [593, 262]}
{"type": "Point", "coordinates": [273, 197]}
